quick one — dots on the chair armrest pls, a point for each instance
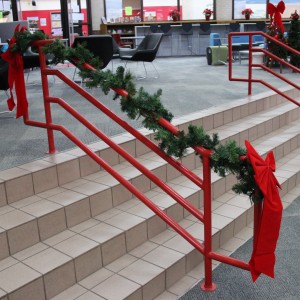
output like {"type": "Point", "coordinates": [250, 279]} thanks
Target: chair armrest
{"type": "Point", "coordinates": [127, 52]}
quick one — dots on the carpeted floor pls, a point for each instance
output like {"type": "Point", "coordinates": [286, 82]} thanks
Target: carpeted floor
{"type": "Point", "coordinates": [236, 284]}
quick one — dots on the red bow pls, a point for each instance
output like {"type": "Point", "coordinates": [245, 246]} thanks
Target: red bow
{"type": "Point", "coordinates": [16, 75]}
{"type": "Point", "coordinates": [277, 11]}
{"type": "Point", "coordinates": [263, 256]}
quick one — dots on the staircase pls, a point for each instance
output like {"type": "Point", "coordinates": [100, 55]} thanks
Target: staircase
{"type": "Point", "coordinates": [69, 230]}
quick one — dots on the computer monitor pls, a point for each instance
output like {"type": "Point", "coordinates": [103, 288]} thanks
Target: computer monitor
{"type": "Point", "coordinates": [7, 29]}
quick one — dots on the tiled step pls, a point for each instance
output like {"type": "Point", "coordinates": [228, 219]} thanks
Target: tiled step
{"type": "Point", "coordinates": [193, 277]}
{"type": "Point", "coordinates": [55, 224]}
{"type": "Point", "coordinates": [43, 215]}
{"type": "Point", "coordinates": [156, 266]}
{"type": "Point", "coordinates": [59, 169]}
{"type": "Point", "coordinates": [75, 251]}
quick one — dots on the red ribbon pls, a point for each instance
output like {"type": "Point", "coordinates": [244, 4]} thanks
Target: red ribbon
{"type": "Point", "coordinates": [263, 256]}
{"type": "Point", "coordinates": [16, 76]}
{"type": "Point", "coordinates": [276, 11]}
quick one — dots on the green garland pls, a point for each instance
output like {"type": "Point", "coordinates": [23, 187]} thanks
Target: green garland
{"type": "Point", "coordinates": [225, 158]}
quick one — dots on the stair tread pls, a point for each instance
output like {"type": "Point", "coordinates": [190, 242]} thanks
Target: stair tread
{"type": "Point", "coordinates": [125, 242]}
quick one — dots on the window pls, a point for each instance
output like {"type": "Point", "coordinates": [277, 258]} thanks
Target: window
{"type": "Point", "coordinates": [123, 11]}
{"type": "Point", "coordinates": [157, 10]}
{"type": "Point", "coordinates": [193, 10]}
{"type": "Point", "coordinates": [259, 7]}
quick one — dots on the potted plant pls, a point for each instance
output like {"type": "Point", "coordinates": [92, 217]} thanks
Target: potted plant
{"type": "Point", "coordinates": [247, 12]}
{"type": "Point", "coordinates": [207, 12]}
{"type": "Point", "coordinates": [175, 15]}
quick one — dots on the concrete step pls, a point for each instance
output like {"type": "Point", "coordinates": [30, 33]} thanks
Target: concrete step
{"type": "Point", "coordinates": [193, 277]}
{"type": "Point", "coordinates": [165, 266]}
{"type": "Point", "coordinates": [59, 169]}
{"type": "Point", "coordinates": [82, 223]}
{"type": "Point", "coordinates": [43, 215]}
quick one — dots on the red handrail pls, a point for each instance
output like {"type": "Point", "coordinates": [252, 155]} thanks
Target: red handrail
{"type": "Point", "coordinates": [206, 247]}
{"type": "Point", "coordinates": [250, 79]}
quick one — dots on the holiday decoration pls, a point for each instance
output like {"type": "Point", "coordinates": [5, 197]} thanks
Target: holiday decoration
{"type": "Point", "coordinates": [263, 256]}
{"type": "Point", "coordinates": [16, 76]}
{"type": "Point", "coordinates": [175, 15]}
{"type": "Point", "coordinates": [275, 14]}
{"type": "Point", "coordinates": [225, 158]}
{"type": "Point", "coordinates": [207, 12]}
{"type": "Point", "coordinates": [276, 30]}
{"type": "Point", "coordinates": [255, 175]}
{"type": "Point", "coordinates": [247, 12]}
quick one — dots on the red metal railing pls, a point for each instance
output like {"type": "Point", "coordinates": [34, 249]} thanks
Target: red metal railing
{"type": "Point", "coordinates": [205, 183]}
{"type": "Point", "coordinates": [252, 50]}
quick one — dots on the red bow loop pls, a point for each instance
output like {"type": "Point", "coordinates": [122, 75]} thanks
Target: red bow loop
{"type": "Point", "coordinates": [276, 11]}
{"type": "Point", "coordinates": [271, 9]}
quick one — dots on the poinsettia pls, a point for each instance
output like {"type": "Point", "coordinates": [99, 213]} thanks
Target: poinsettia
{"type": "Point", "coordinates": [295, 15]}
{"type": "Point", "coordinates": [208, 12]}
{"type": "Point", "coordinates": [174, 13]}
{"type": "Point", "coordinates": [247, 11]}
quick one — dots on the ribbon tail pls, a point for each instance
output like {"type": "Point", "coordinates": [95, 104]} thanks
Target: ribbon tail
{"type": "Point", "coordinates": [10, 102]}
{"type": "Point", "coordinates": [22, 107]}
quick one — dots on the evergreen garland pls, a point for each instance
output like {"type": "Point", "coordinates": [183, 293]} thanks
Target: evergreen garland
{"type": "Point", "coordinates": [225, 158]}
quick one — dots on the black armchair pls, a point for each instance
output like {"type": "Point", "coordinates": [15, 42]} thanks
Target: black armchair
{"type": "Point", "coordinates": [31, 60]}
{"type": "Point", "coordinates": [100, 45]}
{"type": "Point", "coordinates": [145, 52]}
{"type": "Point", "coordinates": [4, 86]}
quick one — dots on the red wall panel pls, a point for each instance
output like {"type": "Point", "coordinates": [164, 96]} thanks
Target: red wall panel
{"type": "Point", "coordinates": [47, 15]}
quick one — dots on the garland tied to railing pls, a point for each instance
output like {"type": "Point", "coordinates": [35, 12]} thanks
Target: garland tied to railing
{"type": "Point", "coordinates": [225, 158]}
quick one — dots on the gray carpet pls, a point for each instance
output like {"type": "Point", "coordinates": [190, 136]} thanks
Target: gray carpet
{"type": "Point", "coordinates": [233, 283]}
{"type": "Point", "coordinates": [188, 83]}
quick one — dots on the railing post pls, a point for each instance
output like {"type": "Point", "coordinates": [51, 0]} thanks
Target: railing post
{"type": "Point", "coordinates": [47, 104]}
{"type": "Point", "coordinates": [207, 285]}
{"type": "Point", "coordinates": [250, 66]}
{"type": "Point", "coordinates": [230, 56]}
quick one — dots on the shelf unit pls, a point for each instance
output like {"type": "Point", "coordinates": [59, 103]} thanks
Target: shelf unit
{"type": "Point", "coordinates": [123, 29]}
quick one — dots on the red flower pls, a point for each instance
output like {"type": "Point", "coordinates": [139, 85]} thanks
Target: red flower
{"type": "Point", "coordinates": [295, 15]}
{"type": "Point", "coordinates": [208, 12]}
{"type": "Point", "coordinates": [247, 11]}
{"type": "Point", "coordinates": [174, 13]}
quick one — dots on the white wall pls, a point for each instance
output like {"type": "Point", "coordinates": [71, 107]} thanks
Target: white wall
{"type": "Point", "coordinates": [224, 9]}
{"type": "Point", "coordinates": [97, 13]}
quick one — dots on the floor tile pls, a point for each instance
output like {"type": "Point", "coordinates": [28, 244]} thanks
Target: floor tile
{"type": "Point", "coordinates": [97, 277]}
{"type": "Point", "coordinates": [75, 245]}
{"type": "Point", "coordinates": [14, 218]}
{"type": "Point", "coordinates": [47, 260]}
{"type": "Point", "coordinates": [71, 293]}
{"type": "Point", "coordinates": [163, 257]}
{"type": "Point", "coordinates": [108, 290]}
{"type": "Point", "coordinates": [10, 282]}
{"type": "Point", "coordinates": [141, 272]}
{"type": "Point", "coordinates": [101, 232]}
